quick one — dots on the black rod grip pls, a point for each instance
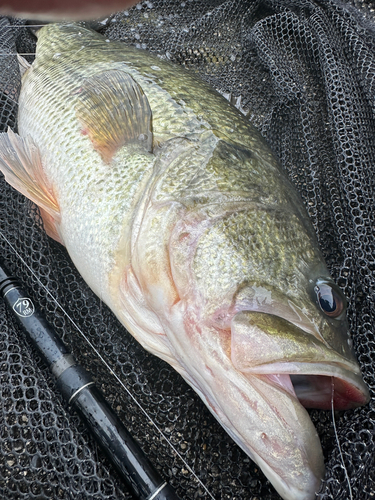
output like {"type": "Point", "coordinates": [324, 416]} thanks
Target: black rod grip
{"type": "Point", "coordinates": [78, 388]}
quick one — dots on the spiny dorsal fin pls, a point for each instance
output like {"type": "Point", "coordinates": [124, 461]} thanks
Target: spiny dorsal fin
{"type": "Point", "coordinates": [22, 167]}
{"type": "Point", "coordinates": [114, 111]}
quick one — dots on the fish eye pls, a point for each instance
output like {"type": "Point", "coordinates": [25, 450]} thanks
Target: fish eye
{"type": "Point", "coordinates": [330, 299]}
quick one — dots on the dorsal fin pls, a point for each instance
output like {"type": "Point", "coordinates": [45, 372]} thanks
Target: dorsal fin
{"type": "Point", "coordinates": [114, 111]}
{"type": "Point", "coordinates": [21, 164]}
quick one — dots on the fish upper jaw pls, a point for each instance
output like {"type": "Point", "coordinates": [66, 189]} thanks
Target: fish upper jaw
{"type": "Point", "coordinates": [262, 343]}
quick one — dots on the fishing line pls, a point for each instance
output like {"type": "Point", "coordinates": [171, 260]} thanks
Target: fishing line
{"type": "Point", "coordinates": [25, 26]}
{"type": "Point", "coordinates": [10, 99]}
{"type": "Point", "coordinates": [338, 441]}
{"type": "Point", "coordinates": [107, 366]}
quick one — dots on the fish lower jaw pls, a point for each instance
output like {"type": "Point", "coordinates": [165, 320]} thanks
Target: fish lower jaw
{"type": "Point", "coordinates": [320, 386]}
{"type": "Point", "coordinates": [311, 485]}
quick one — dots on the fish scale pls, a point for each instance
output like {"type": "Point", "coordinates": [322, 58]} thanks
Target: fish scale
{"type": "Point", "coordinates": [178, 216]}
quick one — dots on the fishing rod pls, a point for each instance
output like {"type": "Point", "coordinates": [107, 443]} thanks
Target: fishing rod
{"type": "Point", "coordinates": [80, 391]}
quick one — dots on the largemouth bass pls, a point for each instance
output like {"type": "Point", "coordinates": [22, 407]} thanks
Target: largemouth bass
{"type": "Point", "coordinates": [178, 216]}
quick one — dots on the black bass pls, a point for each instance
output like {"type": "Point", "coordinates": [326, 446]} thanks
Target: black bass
{"type": "Point", "coordinates": [177, 215]}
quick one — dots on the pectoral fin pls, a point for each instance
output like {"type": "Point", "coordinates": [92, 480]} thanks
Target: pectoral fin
{"type": "Point", "coordinates": [114, 111]}
{"type": "Point", "coordinates": [23, 64]}
{"type": "Point", "coordinates": [21, 164]}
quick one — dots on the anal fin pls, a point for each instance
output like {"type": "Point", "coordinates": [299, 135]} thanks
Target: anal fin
{"type": "Point", "coordinates": [114, 111]}
{"type": "Point", "coordinates": [21, 164]}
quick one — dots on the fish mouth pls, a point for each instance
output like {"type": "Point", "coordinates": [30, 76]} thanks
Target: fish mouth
{"type": "Point", "coordinates": [282, 353]}
{"type": "Point", "coordinates": [329, 392]}
{"type": "Point", "coordinates": [324, 392]}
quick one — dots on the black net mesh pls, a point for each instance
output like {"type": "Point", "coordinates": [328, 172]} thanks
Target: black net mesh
{"type": "Point", "coordinates": [304, 73]}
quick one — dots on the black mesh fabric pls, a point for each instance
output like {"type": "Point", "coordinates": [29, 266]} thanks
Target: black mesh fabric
{"type": "Point", "coordinates": [304, 74]}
